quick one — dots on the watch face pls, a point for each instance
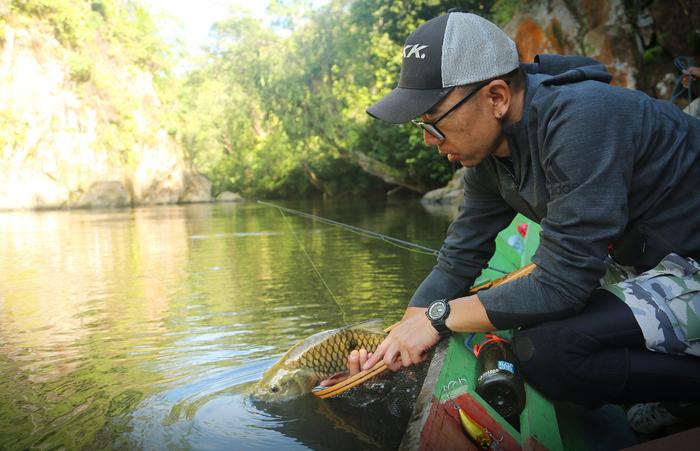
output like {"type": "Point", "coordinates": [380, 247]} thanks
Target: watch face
{"type": "Point", "coordinates": [437, 310]}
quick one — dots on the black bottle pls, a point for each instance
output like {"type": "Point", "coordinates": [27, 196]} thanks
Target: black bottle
{"type": "Point", "coordinates": [498, 380]}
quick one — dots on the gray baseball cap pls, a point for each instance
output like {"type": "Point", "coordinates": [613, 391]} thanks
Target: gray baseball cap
{"type": "Point", "coordinates": [450, 50]}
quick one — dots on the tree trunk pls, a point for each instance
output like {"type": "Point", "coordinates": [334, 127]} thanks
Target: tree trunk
{"type": "Point", "coordinates": [316, 181]}
{"type": "Point", "coordinates": [382, 170]}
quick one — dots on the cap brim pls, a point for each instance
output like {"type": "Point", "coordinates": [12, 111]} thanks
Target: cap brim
{"type": "Point", "coordinates": [403, 104]}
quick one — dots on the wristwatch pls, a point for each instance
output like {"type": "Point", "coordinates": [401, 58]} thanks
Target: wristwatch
{"type": "Point", "coordinates": [437, 313]}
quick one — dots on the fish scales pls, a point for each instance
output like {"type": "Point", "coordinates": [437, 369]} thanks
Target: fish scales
{"type": "Point", "coordinates": [316, 358]}
{"type": "Point", "coordinates": [330, 356]}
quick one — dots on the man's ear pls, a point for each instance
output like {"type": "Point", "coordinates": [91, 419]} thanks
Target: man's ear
{"type": "Point", "coordinates": [499, 97]}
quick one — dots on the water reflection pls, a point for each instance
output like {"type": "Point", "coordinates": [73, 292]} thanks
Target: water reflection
{"type": "Point", "coordinates": [144, 328]}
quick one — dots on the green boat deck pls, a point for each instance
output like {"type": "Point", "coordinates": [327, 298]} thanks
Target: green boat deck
{"type": "Point", "coordinates": [543, 424]}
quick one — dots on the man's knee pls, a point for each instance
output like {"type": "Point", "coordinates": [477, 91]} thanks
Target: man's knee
{"type": "Point", "coordinates": [568, 366]}
{"type": "Point", "coordinates": [540, 360]}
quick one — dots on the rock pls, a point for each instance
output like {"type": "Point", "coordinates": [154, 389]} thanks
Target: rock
{"type": "Point", "coordinates": [162, 189]}
{"type": "Point", "coordinates": [105, 194]}
{"type": "Point", "coordinates": [27, 188]}
{"type": "Point", "coordinates": [595, 29]}
{"type": "Point", "coordinates": [228, 196]}
{"type": "Point", "coordinates": [160, 192]}
{"type": "Point", "coordinates": [59, 136]}
{"type": "Point", "coordinates": [159, 175]}
{"type": "Point", "coordinates": [451, 194]}
{"type": "Point", "coordinates": [197, 189]}
{"type": "Point", "coordinates": [612, 46]}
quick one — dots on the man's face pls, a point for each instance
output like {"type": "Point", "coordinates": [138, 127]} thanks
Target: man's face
{"type": "Point", "coordinates": [472, 131]}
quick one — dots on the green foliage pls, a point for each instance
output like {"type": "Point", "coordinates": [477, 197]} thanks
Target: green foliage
{"type": "Point", "coordinates": [109, 47]}
{"type": "Point", "coordinates": [80, 67]}
{"type": "Point", "coordinates": [125, 24]}
{"type": "Point", "coordinates": [65, 16]}
{"type": "Point", "coordinates": [653, 54]}
{"type": "Point", "coordinates": [278, 110]}
{"type": "Point", "coordinates": [504, 10]}
{"type": "Point", "coordinates": [12, 133]}
{"type": "Point", "coordinates": [3, 24]}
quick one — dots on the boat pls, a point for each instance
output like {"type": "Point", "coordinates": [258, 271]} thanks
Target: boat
{"type": "Point", "coordinates": [448, 393]}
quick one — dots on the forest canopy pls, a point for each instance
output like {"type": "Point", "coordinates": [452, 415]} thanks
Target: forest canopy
{"type": "Point", "coordinates": [280, 109]}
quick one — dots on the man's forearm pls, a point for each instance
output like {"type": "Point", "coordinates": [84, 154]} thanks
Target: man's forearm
{"type": "Point", "coordinates": [468, 314]}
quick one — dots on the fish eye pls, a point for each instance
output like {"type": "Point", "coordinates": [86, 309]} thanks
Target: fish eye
{"type": "Point", "coordinates": [274, 389]}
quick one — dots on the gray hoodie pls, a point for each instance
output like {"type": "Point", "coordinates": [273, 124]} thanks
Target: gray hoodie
{"type": "Point", "coordinates": [600, 168]}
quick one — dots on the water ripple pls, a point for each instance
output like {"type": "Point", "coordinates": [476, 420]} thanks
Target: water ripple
{"type": "Point", "coordinates": [146, 328]}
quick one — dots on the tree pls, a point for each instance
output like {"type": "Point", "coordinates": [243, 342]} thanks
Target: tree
{"type": "Point", "coordinates": [299, 89]}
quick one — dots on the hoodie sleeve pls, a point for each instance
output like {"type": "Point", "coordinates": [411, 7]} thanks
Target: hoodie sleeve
{"type": "Point", "coordinates": [470, 240]}
{"type": "Point", "coordinates": [586, 144]}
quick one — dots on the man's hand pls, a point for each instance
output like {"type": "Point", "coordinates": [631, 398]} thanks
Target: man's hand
{"type": "Point", "coordinates": [407, 342]}
{"type": "Point", "coordinates": [691, 72]}
{"type": "Point", "coordinates": [411, 311]}
{"type": "Point", "coordinates": [356, 360]}
{"type": "Point", "coordinates": [414, 335]}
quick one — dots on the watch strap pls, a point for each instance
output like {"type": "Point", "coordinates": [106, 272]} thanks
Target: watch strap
{"type": "Point", "coordinates": [442, 329]}
{"type": "Point", "coordinates": [439, 323]}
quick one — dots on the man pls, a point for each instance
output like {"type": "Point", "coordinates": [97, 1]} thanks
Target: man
{"type": "Point", "coordinates": [604, 170]}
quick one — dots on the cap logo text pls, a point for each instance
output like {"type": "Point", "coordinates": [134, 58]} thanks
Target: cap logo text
{"type": "Point", "coordinates": [414, 50]}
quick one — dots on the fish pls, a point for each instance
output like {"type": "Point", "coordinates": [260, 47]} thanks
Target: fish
{"type": "Point", "coordinates": [316, 358]}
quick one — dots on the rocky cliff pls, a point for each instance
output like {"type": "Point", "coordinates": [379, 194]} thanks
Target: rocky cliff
{"type": "Point", "coordinates": [83, 129]}
{"type": "Point", "coordinates": [636, 40]}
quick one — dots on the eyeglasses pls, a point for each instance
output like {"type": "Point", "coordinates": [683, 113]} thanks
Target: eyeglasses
{"type": "Point", "coordinates": [431, 127]}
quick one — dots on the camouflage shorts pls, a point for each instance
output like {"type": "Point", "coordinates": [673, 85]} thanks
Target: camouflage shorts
{"type": "Point", "coordinates": [665, 302]}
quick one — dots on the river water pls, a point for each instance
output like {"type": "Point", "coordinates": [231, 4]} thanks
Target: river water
{"type": "Point", "coordinates": [146, 328]}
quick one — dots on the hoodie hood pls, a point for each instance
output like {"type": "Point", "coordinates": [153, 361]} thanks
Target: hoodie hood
{"type": "Point", "coordinates": [567, 69]}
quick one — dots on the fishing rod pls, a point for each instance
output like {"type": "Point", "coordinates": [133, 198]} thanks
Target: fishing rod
{"type": "Point", "coordinates": [368, 233]}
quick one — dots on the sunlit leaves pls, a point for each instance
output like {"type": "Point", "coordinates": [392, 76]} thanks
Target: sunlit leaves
{"type": "Point", "coordinates": [302, 86]}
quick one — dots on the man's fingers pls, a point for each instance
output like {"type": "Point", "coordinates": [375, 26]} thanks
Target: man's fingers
{"type": "Point", "coordinates": [333, 380]}
{"type": "Point", "coordinates": [376, 356]}
{"type": "Point", "coordinates": [417, 358]}
{"type": "Point", "coordinates": [354, 362]}
{"type": "Point", "coordinates": [392, 357]}
{"type": "Point", "coordinates": [406, 359]}
{"type": "Point", "coordinates": [362, 358]}
{"type": "Point", "coordinates": [372, 361]}
{"type": "Point", "coordinates": [395, 364]}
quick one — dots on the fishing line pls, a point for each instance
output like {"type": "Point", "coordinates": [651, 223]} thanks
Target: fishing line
{"type": "Point", "coordinates": [308, 257]}
{"type": "Point", "coordinates": [406, 245]}
{"type": "Point", "coordinates": [412, 247]}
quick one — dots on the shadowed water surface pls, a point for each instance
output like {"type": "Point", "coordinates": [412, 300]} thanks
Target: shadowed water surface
{"type": "Point", "coordinates": [145, 328]}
